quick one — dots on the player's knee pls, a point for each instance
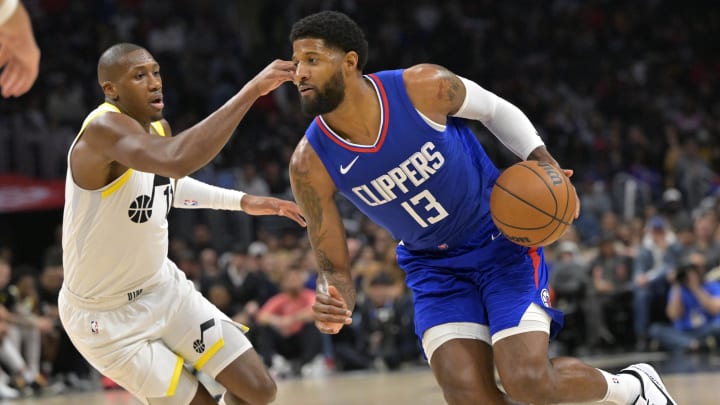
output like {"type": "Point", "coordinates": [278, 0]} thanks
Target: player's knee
{"type": "Point", "coordinates": [529, 384]}
{"type": "Point", "coordinates": [463, 385]}
{"type": "Point", "coordinates": [263, 389]}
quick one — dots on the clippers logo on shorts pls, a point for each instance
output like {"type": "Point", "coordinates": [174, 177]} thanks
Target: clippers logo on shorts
{"type": "Point", "coordinates": [94, 327]}
{"type": "Point", "coordinates": [199, 344]}
{"type": "Point", "coordinates": [545, 296]}
{"type": "Point", "coordinates": [141, 209]}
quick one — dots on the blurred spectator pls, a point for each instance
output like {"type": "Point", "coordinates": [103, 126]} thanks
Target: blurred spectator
{"type": "Point", "coordinates": [693, 307]}
{"type": "Point", "coordinates": [655, 260]}
{"type": "Point", "coordinates": [611, 274]}
{"type": "Point", "coordinates": [287, 331]}
{"type": "Point", "coordinates": [385, 327]}
{"type": "Point", "coordinates": [20, 346]}
{"type": "Point", "coordinates": [249, 288]}
{"type": "Point", "coordinates": [570, 284]}
{"type": "Point", "coordinates": [705, 225]}
{"type": "Point", "coordinates": [64, 361]}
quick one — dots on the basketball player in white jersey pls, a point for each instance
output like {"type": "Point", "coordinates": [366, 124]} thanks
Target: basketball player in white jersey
{"type": "Point", "coordinates": [127, 308]}
{"type": "Point", "coordinates": [19, 53]}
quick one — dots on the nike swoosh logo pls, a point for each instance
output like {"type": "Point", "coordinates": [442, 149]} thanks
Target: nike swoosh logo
{"type": "Point", "coordinates": [345, 169]}
{"type": "Point", "coordinates": [493, 237]}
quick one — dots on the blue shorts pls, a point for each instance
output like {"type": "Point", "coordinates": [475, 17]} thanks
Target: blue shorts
{"type": "Point", "coordinates": [487, 280]}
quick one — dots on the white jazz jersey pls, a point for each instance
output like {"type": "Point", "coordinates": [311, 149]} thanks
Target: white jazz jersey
{"type": "Point", "coordinates": [115, 239]}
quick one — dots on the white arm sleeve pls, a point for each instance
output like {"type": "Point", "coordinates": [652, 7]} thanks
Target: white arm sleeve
{"type": "Point", "coordinates": [510, 125]}
{"type": "Point", "coordinates": [190, 193]}
{"type": "Point", "coordinates": [7, 8]}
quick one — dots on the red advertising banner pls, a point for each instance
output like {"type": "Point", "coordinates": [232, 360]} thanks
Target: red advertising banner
{"type": "Point", "coordinates": [20, 193]}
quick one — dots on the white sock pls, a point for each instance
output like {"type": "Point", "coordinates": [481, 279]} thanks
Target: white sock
{"type": "Point", "coordinates": [621, 388]}
{"type": "Point", "coordinates": [222, 400]}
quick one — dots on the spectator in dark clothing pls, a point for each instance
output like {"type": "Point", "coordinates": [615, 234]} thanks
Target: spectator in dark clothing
{"type": "Point", "coordinates": [249, 287]}
{"type": "Point", "coordinates": [611, 290]}
{"type": "Point", "coordinates": [386, 319]}
{"type": "Point", "coordinates": [67, 363]}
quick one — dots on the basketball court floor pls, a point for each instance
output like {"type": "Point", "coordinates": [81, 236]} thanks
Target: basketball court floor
{"type": "Point", "coordinates": [692, 380]}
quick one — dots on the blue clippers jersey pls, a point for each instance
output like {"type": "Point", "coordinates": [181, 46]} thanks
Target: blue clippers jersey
{"type": "Point", "coordinates": [428, 188]}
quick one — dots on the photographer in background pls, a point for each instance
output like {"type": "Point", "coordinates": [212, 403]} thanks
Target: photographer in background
{"type": "Point", "coordinates": [693, 307]}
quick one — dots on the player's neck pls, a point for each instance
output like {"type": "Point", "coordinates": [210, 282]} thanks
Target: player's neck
{"type": "Point", "coordinates": [144, 123]}
{"type": "Point", "coordinates": [357, 118]}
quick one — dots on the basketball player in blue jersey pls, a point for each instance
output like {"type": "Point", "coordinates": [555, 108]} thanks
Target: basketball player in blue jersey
{"type": "Point", "coordinates": [126, 307]}
{"type": "Point", "coordinates": [396, 145]}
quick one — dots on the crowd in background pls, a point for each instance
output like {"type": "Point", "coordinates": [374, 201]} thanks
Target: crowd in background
{"type": "Point", "coordinates": [624, 93]}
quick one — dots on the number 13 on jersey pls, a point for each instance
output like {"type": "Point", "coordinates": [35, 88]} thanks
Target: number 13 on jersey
{"type": "Point", "coordinates": [433, 210]}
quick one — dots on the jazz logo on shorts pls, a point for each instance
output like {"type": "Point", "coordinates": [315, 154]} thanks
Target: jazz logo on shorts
{"type": "Point", "coordinates": [199, 344]}
{"type": "Point", "coordinates": [94, 327]}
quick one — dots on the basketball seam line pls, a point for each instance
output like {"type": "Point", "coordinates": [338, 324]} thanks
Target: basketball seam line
{"type": "Point", "coordinates": [531, 205]}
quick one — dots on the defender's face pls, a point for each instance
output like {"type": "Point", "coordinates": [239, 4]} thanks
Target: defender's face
{"type": "Point", "coordinates": [139, 88]}
{"type": "Point", "coordinates": [319, 76]}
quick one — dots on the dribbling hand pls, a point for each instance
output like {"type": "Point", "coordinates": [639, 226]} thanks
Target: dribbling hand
{"type": "Point", "coordinates": [330, 310]}
{"type": "Point", "coordinates": [569, 173]}
{"type": "Point", "coordinates": [274, 74]}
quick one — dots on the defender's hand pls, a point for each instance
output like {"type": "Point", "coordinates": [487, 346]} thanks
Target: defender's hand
{"type": "Point", "coordinates": [274, 74]}
{"type": "Point", "coordinates": [19, 54]}
{"type": "Point", "coordinates": [256, 205]}
{"type": "Point", "coordinates": [330, 311]}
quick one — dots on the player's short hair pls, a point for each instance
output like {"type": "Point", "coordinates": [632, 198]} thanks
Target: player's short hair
{"type": "Point", "coordinates": [336, 29]}
{"type": "Point", "coordinates": [111, 57]}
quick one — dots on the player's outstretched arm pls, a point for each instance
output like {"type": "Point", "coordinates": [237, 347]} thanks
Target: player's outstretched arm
{"type": "Point", "coordinates": [19, 53]}
{"type": "Point", "coordinates": [193, 194]}
{"type": "Point", "coordinates": [314, 192]}
{"type": "Point", "coordinates": [259, 205]}
{"type": "Point", "coordinates": [119, 138]}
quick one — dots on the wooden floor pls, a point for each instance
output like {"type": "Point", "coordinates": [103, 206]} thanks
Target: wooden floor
{"type": "Point", "coordinates": [415, 387]}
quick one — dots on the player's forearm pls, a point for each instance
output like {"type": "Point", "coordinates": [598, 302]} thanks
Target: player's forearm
{"type": "Point", "coordinates": [707, 302]}
{"type": "Point", "coordinates": [196, 146]}
{"type": "Point", "coordinates": [191, 193]}
{"type": "Point", "coordinates": [541, 154]}
{"type": "Point", "coordinates": [341, 278]}
{"type": "Point", "coordinates": [674, 309]}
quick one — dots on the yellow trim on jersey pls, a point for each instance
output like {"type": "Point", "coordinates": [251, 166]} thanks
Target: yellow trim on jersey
{"type": "Point", "coordinates": [117, 184]}
{"type": "Point", "coordinates": [205, 357]}
{"type": "Point", "coordinates": [176, 377]}
{"type": "Point", "coordinates": [157, 125]}
{"type": "Point", "coordinates": [101, 109]}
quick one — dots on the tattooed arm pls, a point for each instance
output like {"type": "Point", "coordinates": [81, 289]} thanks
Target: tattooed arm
{"type": "Point", "coordinates": [434, 91]}
{"type": "Point", "coordinates": [314, 193]}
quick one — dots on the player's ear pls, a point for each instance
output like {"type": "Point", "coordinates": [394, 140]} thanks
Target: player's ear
{"type": "Point", "coordinates": [109, 90]}
{"type": "Point", "coordinates": [351, 60]}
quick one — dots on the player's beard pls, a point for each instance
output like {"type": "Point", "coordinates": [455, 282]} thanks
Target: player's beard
{"type": "Point", "coordinates": [326, 100]}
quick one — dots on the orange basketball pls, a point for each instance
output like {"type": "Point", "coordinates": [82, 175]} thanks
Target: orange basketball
{"type": "Point", "coordinates": [533, 203]}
